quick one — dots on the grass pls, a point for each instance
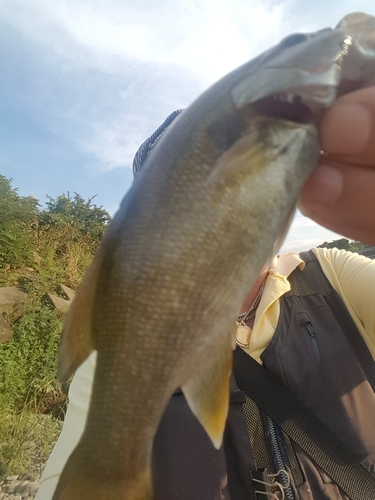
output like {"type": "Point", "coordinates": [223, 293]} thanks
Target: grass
{"type": "Point", "coordinates": [32, 401]}
{"type": "Point", "coordinates": [26, 441]}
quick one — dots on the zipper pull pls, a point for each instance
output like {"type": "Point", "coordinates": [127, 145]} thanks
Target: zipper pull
{"type": "Point", "coordinates": [304, 320]}
{"type": "Point", "coordinates": [310, 329]}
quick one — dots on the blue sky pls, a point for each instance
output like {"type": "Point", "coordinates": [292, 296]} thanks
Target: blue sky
{"type": "Point", "coordinates": [83, 83]}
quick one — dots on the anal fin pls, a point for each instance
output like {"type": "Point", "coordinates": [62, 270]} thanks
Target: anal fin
{"type": "Point", "coordinates": [207, 394]}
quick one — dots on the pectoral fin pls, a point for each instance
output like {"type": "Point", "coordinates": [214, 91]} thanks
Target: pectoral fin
{"type": "Point", "coordinates": [247, 153]}
{"type": "Point", "coordinates": [207, 394]}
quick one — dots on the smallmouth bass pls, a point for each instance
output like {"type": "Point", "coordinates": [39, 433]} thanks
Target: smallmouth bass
{"type": "Point", "coordinates": [210, 206]}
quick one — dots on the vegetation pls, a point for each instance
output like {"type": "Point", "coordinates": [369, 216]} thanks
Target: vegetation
{"type": "Point", "coordinates": [18, 216]}
{"type": "Point", "coordinates": [28, 362]}
{"type": "Point", "coordinates": [344, 244]}
{"type": "Point", "coordinates": [39, 249]}
{"type": "Point", "coordinates": [26, 441]}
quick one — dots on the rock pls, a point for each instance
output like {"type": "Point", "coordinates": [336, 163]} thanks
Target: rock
{"type": "Point", "coordinates": [11, 488]}
{"type": "Point", "coordinates": [66, 292]}
{"type": "Point", "coordinates": [6, 331]}
{"type": "Point", "coordinates": [16, 488]}
{"type": "Point", "coordinates": [12, 306]}
{"type": "Point", "coordinates": [27, 269]}
{"type": "Point", "coordinates": [23, 488]}
{"type": "Point", "coordinates": [33, 488]}
{"type": "Point", "coordinates": [58, 303]}
{"type": "Point", "coordinates": [12, 303]}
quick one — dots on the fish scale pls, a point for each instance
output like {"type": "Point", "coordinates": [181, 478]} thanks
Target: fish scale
{"type": "Point", "coordinates": [210, 207]}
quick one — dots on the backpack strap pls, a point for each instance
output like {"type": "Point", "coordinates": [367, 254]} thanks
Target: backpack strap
{"type": "Point", "coordinates": [313, 280]}
{"type": "Point", "coordinates": [304, 427]}
{"type": "Point", "coordinates": [297, 421]}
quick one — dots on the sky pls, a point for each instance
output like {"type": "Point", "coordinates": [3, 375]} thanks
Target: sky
{"type": "Point", "coordinates": [84, 83]}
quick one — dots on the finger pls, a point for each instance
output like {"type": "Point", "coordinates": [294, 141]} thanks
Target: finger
{"type": "Point", "coordinates": [347, 129]}
{"type": "Point", "coordinates": [342, 198]}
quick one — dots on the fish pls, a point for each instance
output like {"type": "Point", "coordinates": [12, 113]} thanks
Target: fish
{"type": "Point", "coordinates": [211, 205]}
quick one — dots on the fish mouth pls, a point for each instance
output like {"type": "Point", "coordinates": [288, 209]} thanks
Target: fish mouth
{"type": "Point", "coordinates": [297, 79]}
{"type": "Point", "coordinates": [289, 106]}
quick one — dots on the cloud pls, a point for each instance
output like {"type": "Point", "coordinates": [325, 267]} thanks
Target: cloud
{"type": "Point", "coordinates": [101, 75]}
{"type": "Point", "coordinates": [300, 245]}
{"type": "Point", "coordinates": [300, 221]}
{"type": "Point", "coordinates": [115, 142]}
{"type": "Point", "coordinates": [205, 38]}
{"type": "Point", "coordinates": [105, 74]}
{"type": "Point", "coordinates": [304, 233]}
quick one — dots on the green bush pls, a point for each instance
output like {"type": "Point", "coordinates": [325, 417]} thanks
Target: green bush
{"type": "Point", "coordinates": [84, 216]}
{"type": "Point", "coordinates": [59, 243]}
{"type": "Point", "coordinates": [28, 377]}
{"type": "Point", "coordinates": [39, 249]}
{"type": "Point", "coordinates": [63, 253]}
{"type": "Point", "coordinates": [32, 400]}
{"type": "Point", "coordinates": [18, 218]}
{"type": "Point", "coordinates": [344, 244]}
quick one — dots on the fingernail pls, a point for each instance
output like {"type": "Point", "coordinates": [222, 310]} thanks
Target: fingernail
{"type": "Point", "coordinates": [324, 187]}
{"type": "Point", "coordinates": [346, 129]}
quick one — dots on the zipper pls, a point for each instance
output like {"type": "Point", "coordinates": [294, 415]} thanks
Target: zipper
{"type": "Point", "coordinates": [276, 446]}
{"type": "Point", "coordinates": [315, 347]}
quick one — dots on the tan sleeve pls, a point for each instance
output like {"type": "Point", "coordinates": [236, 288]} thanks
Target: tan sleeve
{"type": "Point", "coordinates": [79, 399]}
{"type": "Point", "coordinates": [353, 277]}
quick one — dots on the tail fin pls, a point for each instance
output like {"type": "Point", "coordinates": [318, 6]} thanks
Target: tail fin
{"type": "Point", "coordinates": [78, 483]}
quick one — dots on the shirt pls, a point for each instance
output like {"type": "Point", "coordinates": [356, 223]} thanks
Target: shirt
{"type": "Point", "coordinates": [351, 275]}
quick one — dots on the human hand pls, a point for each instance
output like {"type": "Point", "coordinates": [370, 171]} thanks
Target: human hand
{"type": "Point", "coordinates": [340, 193]}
